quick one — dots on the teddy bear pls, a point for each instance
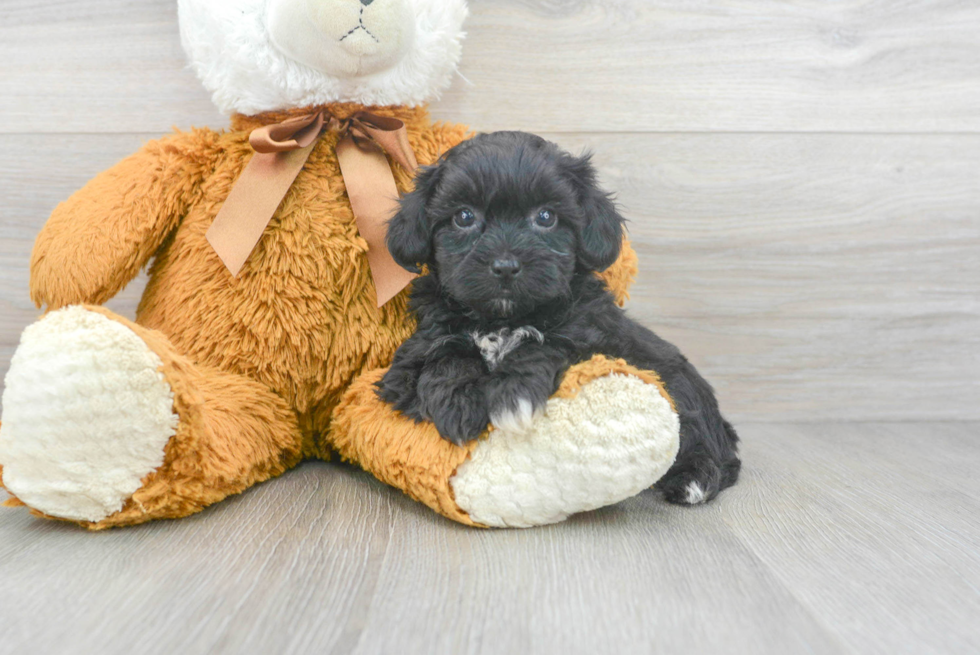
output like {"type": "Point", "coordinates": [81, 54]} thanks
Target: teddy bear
{"type": "Point", "coordinates": [233, 373]}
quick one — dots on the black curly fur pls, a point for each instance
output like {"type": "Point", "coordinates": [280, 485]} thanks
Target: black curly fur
{"type": "Point", "coordinates": [506, 272]}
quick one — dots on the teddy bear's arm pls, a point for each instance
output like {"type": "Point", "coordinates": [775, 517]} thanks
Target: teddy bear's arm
{"type": "Point", "coordinates": [95, 242]}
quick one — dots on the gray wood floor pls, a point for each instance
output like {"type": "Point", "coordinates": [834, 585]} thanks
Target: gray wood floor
{"type": "Point", "coordinates": [841, 538]}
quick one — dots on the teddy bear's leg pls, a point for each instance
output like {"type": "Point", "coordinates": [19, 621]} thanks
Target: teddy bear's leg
{"type": "Point", "coordinates": [106, 424]}
{"type": "Point", "coordinates": [608, 433]}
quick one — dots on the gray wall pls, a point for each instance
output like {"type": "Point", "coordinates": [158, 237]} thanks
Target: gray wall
{"type": "Point", "coordinates": [802, 178]}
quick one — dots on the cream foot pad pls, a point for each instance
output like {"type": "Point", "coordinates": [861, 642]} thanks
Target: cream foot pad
{"type": "Point", "coordinates": [613, 439]}
{"type": "Point", "coordinates": [86, 415]}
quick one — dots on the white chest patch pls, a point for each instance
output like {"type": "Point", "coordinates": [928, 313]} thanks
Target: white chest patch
{"type": "Point", "coordinates": [494, 346]}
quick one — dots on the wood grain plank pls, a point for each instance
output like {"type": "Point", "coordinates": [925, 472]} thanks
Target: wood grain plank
{"type": "Point", "coordinates": [839, 538]}
{"type": "Point", "coordinates": [809, 276]}
{"type": "Point", "coordinates": [783, 368]}
{"type": "Point", "coordinates": [810, 225]}
{"type": "Point", "coordinates": [328, 560]}
{"type": "Point", "coordinates": [99, 66]}
{"type": "Point", "coordinates": [629, 65]}
{"type": "Point", "coordinates": [751, 65]}
{"type": "Point", "coordinates": [641, 577]}
{"type": "Point", "coordinates": [283, 564]}
{"type": "Point", "coordinates": [884, 540]}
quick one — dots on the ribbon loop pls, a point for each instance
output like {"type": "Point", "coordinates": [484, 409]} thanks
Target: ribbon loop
{"type": "Point", "coordinates": [291, 134]}
{"type": "Point", "coordinates": [282, 149]}
{"type": "Point", "coordinates": [387, 132]}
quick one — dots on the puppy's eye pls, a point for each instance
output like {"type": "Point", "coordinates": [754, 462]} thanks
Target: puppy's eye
{"type": "Point", "coordinates": [464, 218]}
{"type": "Point", "coordinates": [545, 218]}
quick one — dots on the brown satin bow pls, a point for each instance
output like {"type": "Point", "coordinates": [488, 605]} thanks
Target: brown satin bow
{"type": "Point", "coordinates": [282, 149]}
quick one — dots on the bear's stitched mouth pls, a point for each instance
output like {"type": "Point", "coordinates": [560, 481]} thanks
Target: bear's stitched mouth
{"type": "Point", "coordinates": [360, 26]}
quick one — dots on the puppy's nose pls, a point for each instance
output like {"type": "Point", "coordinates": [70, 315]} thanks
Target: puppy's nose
{"type": "Point", "coordinates": [505, 268]}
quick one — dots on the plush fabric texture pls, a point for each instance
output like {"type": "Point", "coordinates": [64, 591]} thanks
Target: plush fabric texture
{"type": "Point", "coordinates": [610, 432]}
{"type": "Point", "coordinates": [301, 316]}
{"type": "Point", "coordinates": [79, 367]}
{"type": "Point", "coordinates": [395, 449]}
{"type": "Point", "coordinates": [257, 365]}
{"type": "Point", "coordinates": [232, 432]}
{"type": "Point", "coordinates": [228, 42]}
{"type": "Point", "coordinates": [343, 38]}
{"type": "Point", "coordinates": [300, 319]}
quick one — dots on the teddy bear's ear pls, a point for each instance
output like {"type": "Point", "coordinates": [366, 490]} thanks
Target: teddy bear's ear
{"type": "Point", "coordinates": [410, 230]}
{"type": "Point", "coordinates": [600, 237]}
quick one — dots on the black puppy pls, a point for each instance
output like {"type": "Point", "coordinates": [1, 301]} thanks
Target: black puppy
{"type": "Point", "coordinates": [512, 229]}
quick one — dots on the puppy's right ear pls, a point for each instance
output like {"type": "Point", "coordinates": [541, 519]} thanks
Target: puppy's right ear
{"type": "Point", "coordinates": [409, 230]}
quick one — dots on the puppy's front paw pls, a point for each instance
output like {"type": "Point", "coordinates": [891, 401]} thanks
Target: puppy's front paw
{"type": "Point", "coordinates": [516, 417]}
{"type": "Point", "coordinates": [455, 402]}
{"type": "Point", "coordinates": [397, 388]}
{"type": "Point", "coordinates": [461, 423]}
{"type": "Point", "coordinates": [514, 401]}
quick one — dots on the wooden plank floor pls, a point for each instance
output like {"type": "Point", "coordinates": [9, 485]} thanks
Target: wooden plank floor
{"type": "Point", "coordinates": [841, 538]}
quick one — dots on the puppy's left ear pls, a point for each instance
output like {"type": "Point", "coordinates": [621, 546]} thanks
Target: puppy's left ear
{"type": "Point", "coordinates": [409, 230]}
{"type": "Point", "coordinates": [601, 237]}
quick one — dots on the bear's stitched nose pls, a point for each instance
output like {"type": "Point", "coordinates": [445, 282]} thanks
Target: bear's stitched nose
{"type": "Point", "coordinates": [505, 268]}
{"type": "Point", "coordinates": [366, 2]}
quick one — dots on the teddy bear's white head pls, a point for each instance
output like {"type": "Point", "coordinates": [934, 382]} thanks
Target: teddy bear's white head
{"type": "Point", "coordinates": [264, 55]}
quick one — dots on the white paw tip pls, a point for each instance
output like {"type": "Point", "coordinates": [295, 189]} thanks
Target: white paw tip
{"type": "Point", "coordinates": [695, 494]}
{"type": "Point", "coordinates": [518, 419]}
